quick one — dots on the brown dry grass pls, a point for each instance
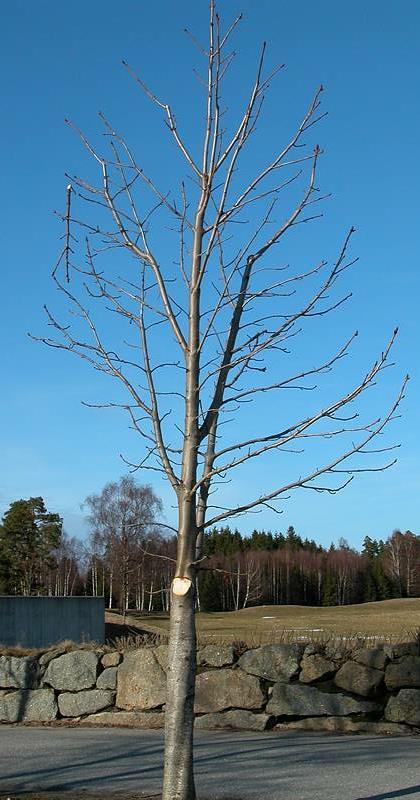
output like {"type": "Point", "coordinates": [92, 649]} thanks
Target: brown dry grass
{"type": "Point", "coordinates": [65, 646]}
{"type": "Point", "coordinates": [384, 621]}
{"type": "Point", "coordinates": [387, 620]}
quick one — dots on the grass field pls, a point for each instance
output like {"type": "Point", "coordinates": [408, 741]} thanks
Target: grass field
{"type": "Point", "coordinates": [393, 620]}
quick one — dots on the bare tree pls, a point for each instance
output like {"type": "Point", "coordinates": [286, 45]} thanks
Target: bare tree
{"type": "Point", "coordinates": [213, 333]}
{"type": "Point", "coordinates": [122, 519]}
{"type": "Point", "coordinates": [61, 581]}
{"type": "Point", "coordinates": [345, 565]}
{"type": "Point", "coordinates": [402, 551]}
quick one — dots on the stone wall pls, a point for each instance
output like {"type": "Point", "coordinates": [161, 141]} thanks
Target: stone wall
{"type": "Point", "coordinates": [272, 687]}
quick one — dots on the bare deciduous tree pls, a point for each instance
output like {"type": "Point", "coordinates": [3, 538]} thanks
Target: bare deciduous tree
{"type": "Point", "coordinates": [122, 520]}
{"type": "Point", "coordinates": [232, 309]}
{"type": "Point", "coordinates": [402, 553]}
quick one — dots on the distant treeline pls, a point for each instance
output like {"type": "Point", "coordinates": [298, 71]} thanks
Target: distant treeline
{"type": "Point", "coordinates": [128, 557]}
{"type": "Point", "coordinates": [272, 569]}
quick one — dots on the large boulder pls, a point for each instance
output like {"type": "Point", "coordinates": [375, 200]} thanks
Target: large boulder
{"type": "Point", "coordinates": [127, 719]}
{"type": "Point", "coordinates": [236, 719]}
{"type": "Point", "coordinates": [18, 673]}
{"type": "Point", "coordinates": [75, 704]}
{"type": "Point", "coordinates": [226, 688]}
{"type": "Point", "coordinates": [371, 657]}
{"type": "Point", "coordinates": [405, 707]}
{"type": "Point", "coordinates": [315, 667]}
{"type": "Point", "coordinates": [72, 672]}
{"type": "Point", "coordinates": [358, 679]}
{"type": "Point", "coordinates": [216, 655]}
{"type": "Point", "coordinates": [28, 705]}
{"type": "Point", "coordinates": [307, 701]}
{"type": "Point", "coordinates": [107, 679]}
{"type": "Point", "coordinates": [274, 662]}
{"type": "Point", "coordinates": [404, 673]}
{"type": "Point", "coordinates": [141, 682]}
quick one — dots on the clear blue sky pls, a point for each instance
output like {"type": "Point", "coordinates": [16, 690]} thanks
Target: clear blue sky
{"type": "Point", "coordinates": [64, 60]}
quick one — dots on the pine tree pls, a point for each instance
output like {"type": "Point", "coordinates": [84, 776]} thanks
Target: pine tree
{"type": "Point", "coordinates": [28, 537]}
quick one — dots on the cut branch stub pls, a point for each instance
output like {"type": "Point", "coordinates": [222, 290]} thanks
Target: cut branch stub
{"type": "Point", "coordinates": [181, 586]}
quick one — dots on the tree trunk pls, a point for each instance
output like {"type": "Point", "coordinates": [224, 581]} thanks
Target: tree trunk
{"type": "Point", "coordinates": [197, 597]}
{"type": "Point", "coordinates": [288, 581]}
{"type": "Point", "coordinates": [150, 606]}
{"type": "Point", "coordinates": [178, 781]}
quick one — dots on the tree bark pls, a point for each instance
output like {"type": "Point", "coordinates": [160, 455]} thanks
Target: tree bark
{"type": "Point", "coordinates": [178, 781]}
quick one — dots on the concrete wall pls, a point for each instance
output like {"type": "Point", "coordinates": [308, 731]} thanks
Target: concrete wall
{"type": "Point", "coordinates": [44, 621]}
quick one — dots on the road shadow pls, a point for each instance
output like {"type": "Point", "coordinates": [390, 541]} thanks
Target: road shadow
{"type": "Point", "coordinates": [393, 795]}
{"type": "Point", "coordinates": [123, 760]}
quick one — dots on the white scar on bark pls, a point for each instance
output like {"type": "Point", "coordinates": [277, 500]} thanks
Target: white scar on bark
{"type": "Point", "coordinates": [180, 586]}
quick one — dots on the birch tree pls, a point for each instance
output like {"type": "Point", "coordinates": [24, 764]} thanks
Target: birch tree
{"type": "Point", "coordinates": [212, 327]}
{"type": "Point", "coordinates": [122, 520]}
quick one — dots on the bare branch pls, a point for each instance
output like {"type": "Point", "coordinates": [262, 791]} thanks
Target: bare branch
{"type": "Point", "coordinates": [303, 482]}
{"type": "Point", "coordinates": [169, 115]}
{"type": "Point", "coordinates": [67, 249]}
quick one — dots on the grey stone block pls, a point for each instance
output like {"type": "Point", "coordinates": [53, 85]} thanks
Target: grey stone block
{"type": "Point", "coordinates": [214, 655]}
{"type": "Point", "coordinates": [141, 681]}
{"type": "Point", "coordinates": [73, 671]}
{"type": "Point", "coordinates": [18, 673]}
{"type": "Point", "coordinates": [371, 657]}
{"type": "Point", "coordinates": [226, 688]}
{"type": "Point", "coordinates": [87, 702]}
{"type": "Point", "coordinates": [107, 679]}
{"type": "Point", "coordinates": [111, 659]}
{"type": "Point", "coordinates": [405, 707]}
{"type": "Point", "coordinates": [358, 679]}
{"type": "Point", "coordinates": [274, 662]}
{"type": "Point", "coordinates": [307, 701]}
{"type": "Point", "coordinates": [28, 705]}
{"type": "Point", "coordinates": [315, 667]}
{"type": "Point", "coordinates": [404, 673]}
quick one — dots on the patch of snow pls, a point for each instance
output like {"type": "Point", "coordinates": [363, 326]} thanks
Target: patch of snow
{"type": "Point", "coordinates": [306, 630]}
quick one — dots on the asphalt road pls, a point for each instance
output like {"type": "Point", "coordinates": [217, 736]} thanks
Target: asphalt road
{"type": "Point", "coordinates": [238, 766]}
